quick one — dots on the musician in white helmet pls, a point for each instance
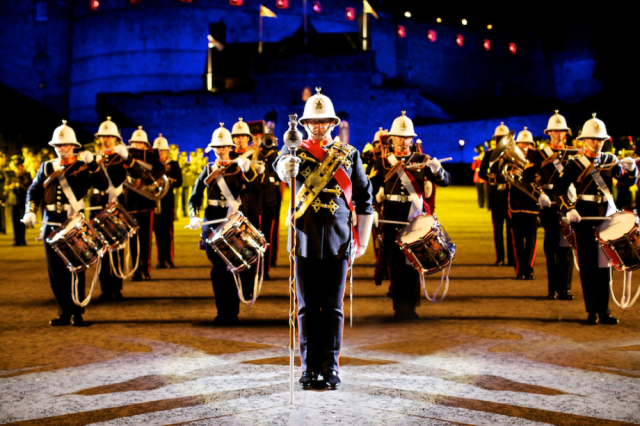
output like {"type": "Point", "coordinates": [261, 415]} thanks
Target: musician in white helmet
{"type": "Point", "coordinates": [498, 200]}
{"type": "Point", "coordinates": [592, 174]}
{"type": "Point", "coordinates": [138, 205]}
{"type": "Point", "coordinates": [402, 181]}
{"type": "Point", "coordinates": [325, 238]}
{"type": "Point", "coordinates": [523, 211]}
{"type": "Point", "coordinates": [251, 195]}
{"type": "Point", "coordinates": [223, 181]}
{"type": "Point", "coordinates": [544, 167]}
{"type": "Point", "coordinates": [62, 184]}
{"type": "Point", "coordinates": [115, 160]}
{"type": "Point", "coordinates": [163, 219]}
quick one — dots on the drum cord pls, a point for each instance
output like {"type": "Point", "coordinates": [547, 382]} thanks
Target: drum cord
{"type": "Point", "coordinates": [435, 293]}
{"type": "Point", "coordinates": [257, 283]}
{"type": "Point", "coordinates": [625, 301]}
{"type": "Point", "coordinates": [74, 287]}
{"type": "Point", "coordinates": [119, 271]}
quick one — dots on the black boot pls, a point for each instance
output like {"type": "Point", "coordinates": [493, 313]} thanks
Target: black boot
{"type": "Point", "coordinates": [592, 319]}
{"type": "Point", "coordinates": [331, 379]}
{"type": "Point", "coordinates": [308, 379]}
{"type": "Point", "coordinates": [60, 321]}
{"type": "Point", "coordinates": [607, 319]}
{"type": "Point", "coordinates": [78, 321]}
{"type": "Point", "coordinates": [565, 295]}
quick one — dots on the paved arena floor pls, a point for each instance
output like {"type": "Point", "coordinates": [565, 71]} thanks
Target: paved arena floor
{"type": "Point", "coordinates": [495, 351]}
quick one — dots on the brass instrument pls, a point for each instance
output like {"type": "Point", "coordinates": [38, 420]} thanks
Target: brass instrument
{"type": "Point", "coordinates": [513, 163]}
{"type": "Point", "coordinates": [315, 181]}
{"type": "Point", "coordinates": [155, 190]}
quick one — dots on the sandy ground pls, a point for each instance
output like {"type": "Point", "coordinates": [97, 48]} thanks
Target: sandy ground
{"type": "Point", "coordinates": [494, 352]}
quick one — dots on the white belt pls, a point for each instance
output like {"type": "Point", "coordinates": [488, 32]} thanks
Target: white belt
{"type": "Point", "coordinates": [593, 198]}
{"type": "Point", "coordinates": [548, 186]}
{"type": "Point", "coordinates": [400, 198]}
{"type": "Point", "coordinates": [54, 207]}
{"type": "Point", "coordinates": [219, 203]}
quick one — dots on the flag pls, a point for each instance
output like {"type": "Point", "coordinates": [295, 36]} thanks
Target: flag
{"type": "Point", "coordinates": [266, 12]}
{"type": "Point", "coordinates": [369, 9]}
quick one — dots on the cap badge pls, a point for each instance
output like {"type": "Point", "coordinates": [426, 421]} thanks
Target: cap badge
{"type": "Point", "coordinates": [596, 126]}
{"type": "Point", "coordinates": [319, 106]}
{"type": "Point", "coordinates": [62, 133]}
{"type": "Point", "coordinates": [403, 125]}
{"type": "Point", "coordinates": [558, 121]}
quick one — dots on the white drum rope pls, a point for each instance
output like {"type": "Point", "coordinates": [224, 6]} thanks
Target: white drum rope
{"type": "Point", "coordinates": [75, 296]}
{"type": "Point", "coordinates": [626, 301]}
{"type": "Point", "coordinates": [257, 283]}
{"type": "Point", "coordinates": [123, 271]}
{"type": "Point", "coordinates": [435, 293]}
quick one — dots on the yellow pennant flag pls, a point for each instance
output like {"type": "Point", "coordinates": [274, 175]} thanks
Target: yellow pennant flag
{"type": "Point", "coordinates": [369, 9]}
{"type": "Point", "coordinates": [266, 12]}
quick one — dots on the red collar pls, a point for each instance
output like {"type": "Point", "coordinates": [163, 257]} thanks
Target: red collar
{"type": "Point", "coordinates": [65, 161]}
{"type": "Point", "coordinates": [324, 142]}
{"type": "Point", "coordinates": [590, 154]}
{"type": "Point", "coordinates": [241, 150]}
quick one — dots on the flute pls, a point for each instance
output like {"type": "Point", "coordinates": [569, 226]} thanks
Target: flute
{"type": "Point", "coordinates": [421, 165]}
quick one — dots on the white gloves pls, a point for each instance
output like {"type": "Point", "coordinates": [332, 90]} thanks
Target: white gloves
{"type": "Point", "coordinates": [86, 156]}
{"type": "Point", "coordinates": [434, 165]}
{"type": "Point", "coordinates": [380, 195]}
{"type": "Point", "coordinates": [573, 216]}
{"type": "Point", "coordinates": [375, 218]}
{"type": "Point", "coordinates": [260, 169]}
{"type": "Point", "coordinates": [122, 151]}
{"type": "Point", "coordinates": [544, 201]}
{"type": "Point", "coordinates": [288, 167]}
{"type": "Point", "coordinates": [628, 163]}
{"type": "Point", "coordinates": [29, 219]}
{"type": "Point", "coordinates": [364, 232]}
{"type": "Point", "coordinates": [195, 223]}
{"type": "Point", "coordinates": [244, 164]}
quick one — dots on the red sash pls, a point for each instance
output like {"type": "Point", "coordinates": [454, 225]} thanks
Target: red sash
{"type": "Point", "coordinates": [340, 175]}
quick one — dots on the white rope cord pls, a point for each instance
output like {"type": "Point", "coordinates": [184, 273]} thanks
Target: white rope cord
{"type": "Point", "coordinates": [575, 260]}
{"type": "Point", "coordinates": [435, 293]}
{"type": "Point", "coordinates": [626, 301]}
{"type": "Point", "coordinates": [123, 271]}
{"type": "Point", "coordinates": [75, 296]}
{"type": "Point", "coordinates": [350, 294]}
{"type": "Point", "coordinates": [257, 283]}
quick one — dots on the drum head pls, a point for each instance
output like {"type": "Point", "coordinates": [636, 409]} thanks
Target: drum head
{"type": "Point", "coordinates": [416, 229]}
{"type": "Point", "coordinates": [225, 226]}
{"type": "Point", "coordinates": [64, 229]}
{"type": "Point", "coordinates": [619, 224]}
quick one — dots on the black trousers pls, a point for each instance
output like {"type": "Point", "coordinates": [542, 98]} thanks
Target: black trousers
{"type": "Point", "coordinates": [109, 282]}
{"type": "Point", "coordinates": [269, 227]}
{"type": "Point", "coordinates": [163, 229]}
{"type": "Point", "coordinates": [60, 280]}
{"type": "Point", "coordinates": [404, 279]}
{"type": "Point", "coordinates": [559, 259]}
{"type": "Point", "coordinates": [594, 280]}
{"type": "Point", "coordinates": [480, 187]}
{"type": "Point", "coordinates": [223, 283]}
{"type": "Point", "coordinates": [19, 230]}
{"type": "Point", "coordinates": [499, 215]}
{"type": "Point", "coordinates": [525, 237]}
{"type": "Point", "coordinates": [145, 223]}
{"type": "Point", "coordinates": [320, 284]}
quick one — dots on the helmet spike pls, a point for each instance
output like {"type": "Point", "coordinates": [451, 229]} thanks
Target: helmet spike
{"type": "Point", "coordinates": [139, 127]}
{"type": "Point", "coordinates": [557, 111]}
{"type": "Point", "coordinates": [594, 115]}
{"type": "Point", "coordinates": [108, 118]}
{"type": "Point", "coordinates": [64, 122]}
{"type": "Point", "coordinates": [525, 127]}
{"type": "Point", "coordinates": [403, 113]}
{"type": "Point", "coordinates": [240, 119]}
{"type": "Point", "coordinates": [221, 124]}
{"type": "Point", "coordinates": [318, 89]}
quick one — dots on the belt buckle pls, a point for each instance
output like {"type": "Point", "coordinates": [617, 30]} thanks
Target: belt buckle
{"type": "Point", "coordinates": [403, 198]}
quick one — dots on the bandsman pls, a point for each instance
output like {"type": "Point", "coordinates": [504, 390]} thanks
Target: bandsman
{"type": "Point", "coordinates": [271, 201]}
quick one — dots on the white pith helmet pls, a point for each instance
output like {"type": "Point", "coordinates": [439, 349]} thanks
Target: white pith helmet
{"type": "Point", "coordinates": [108, 128]}
{"type": "Point", "coordinates": [403, 127]}
{"type": "Point", "coordinates": [501, 130]}
{"type": "Point", "coordinates": [556, 122]}
{"type": "Point", "coordinates": [241, 128]}
{"type": "Point", "coordinates": [64, 135]}
{"type": "Point", "coordinates": [220, 137]}
{"type": "Point", "coordinates": [379, 134]}
{"type": "Point", "coordinates": [594, 129]}
{"type": "Point", "coordinates": [525, 136]}
{"type": "Point", "coordinates": [161, 143]}
{"type": "Point", "coordinates": [139, 136]}
{"type": "Point", "coordinates": [318, 107]}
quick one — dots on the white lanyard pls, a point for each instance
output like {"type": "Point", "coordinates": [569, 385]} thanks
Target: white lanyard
{"type": "Point", "coordinates": [234, 204]}
{"type": "Point", "coordinates": [611, 208]}
{"type": "Point", "coordinates": [111, 191]}
{"type": "Point", "coordinates": [556, 162]}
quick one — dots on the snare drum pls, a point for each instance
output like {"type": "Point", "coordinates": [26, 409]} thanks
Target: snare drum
{"type": "Point", "coordinates": [114, 225]}
{"type": "Point", "coordinates": [426, 244]}
{"type": "Point", "coordinates": [77, 243]}
{"type": "Point", "coordinates": [619, 238]}
{"type": "Point", "coordinates": [238, 242]}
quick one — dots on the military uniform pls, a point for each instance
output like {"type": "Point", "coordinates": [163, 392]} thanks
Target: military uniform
{"type": "Point", "coordinates": [271, 202]}
{"type": "Point", "coordinates": [219, 206]}
{"type": "Point", "coordinates": [80, 177]}
{"type": "Point", "coordinates": [584, 172]}
{"type": "Point", "coordinates": [252, 195]}
{"type": "Point", "coordinates": [19, 189]}
{"type": "Point", "coordinates": [141, 208]}
{"type": "Point", "coordinates": [499, 203]}
{"type": "Point", "coordinates": [405, 279]}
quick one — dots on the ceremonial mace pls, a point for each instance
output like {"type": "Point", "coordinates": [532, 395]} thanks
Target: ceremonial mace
{"type": "Point", "coordinates": [293, 140]}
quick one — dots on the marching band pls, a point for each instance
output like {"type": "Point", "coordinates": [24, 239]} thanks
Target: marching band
{"type": "Point", "coordinates": [339, 198]}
